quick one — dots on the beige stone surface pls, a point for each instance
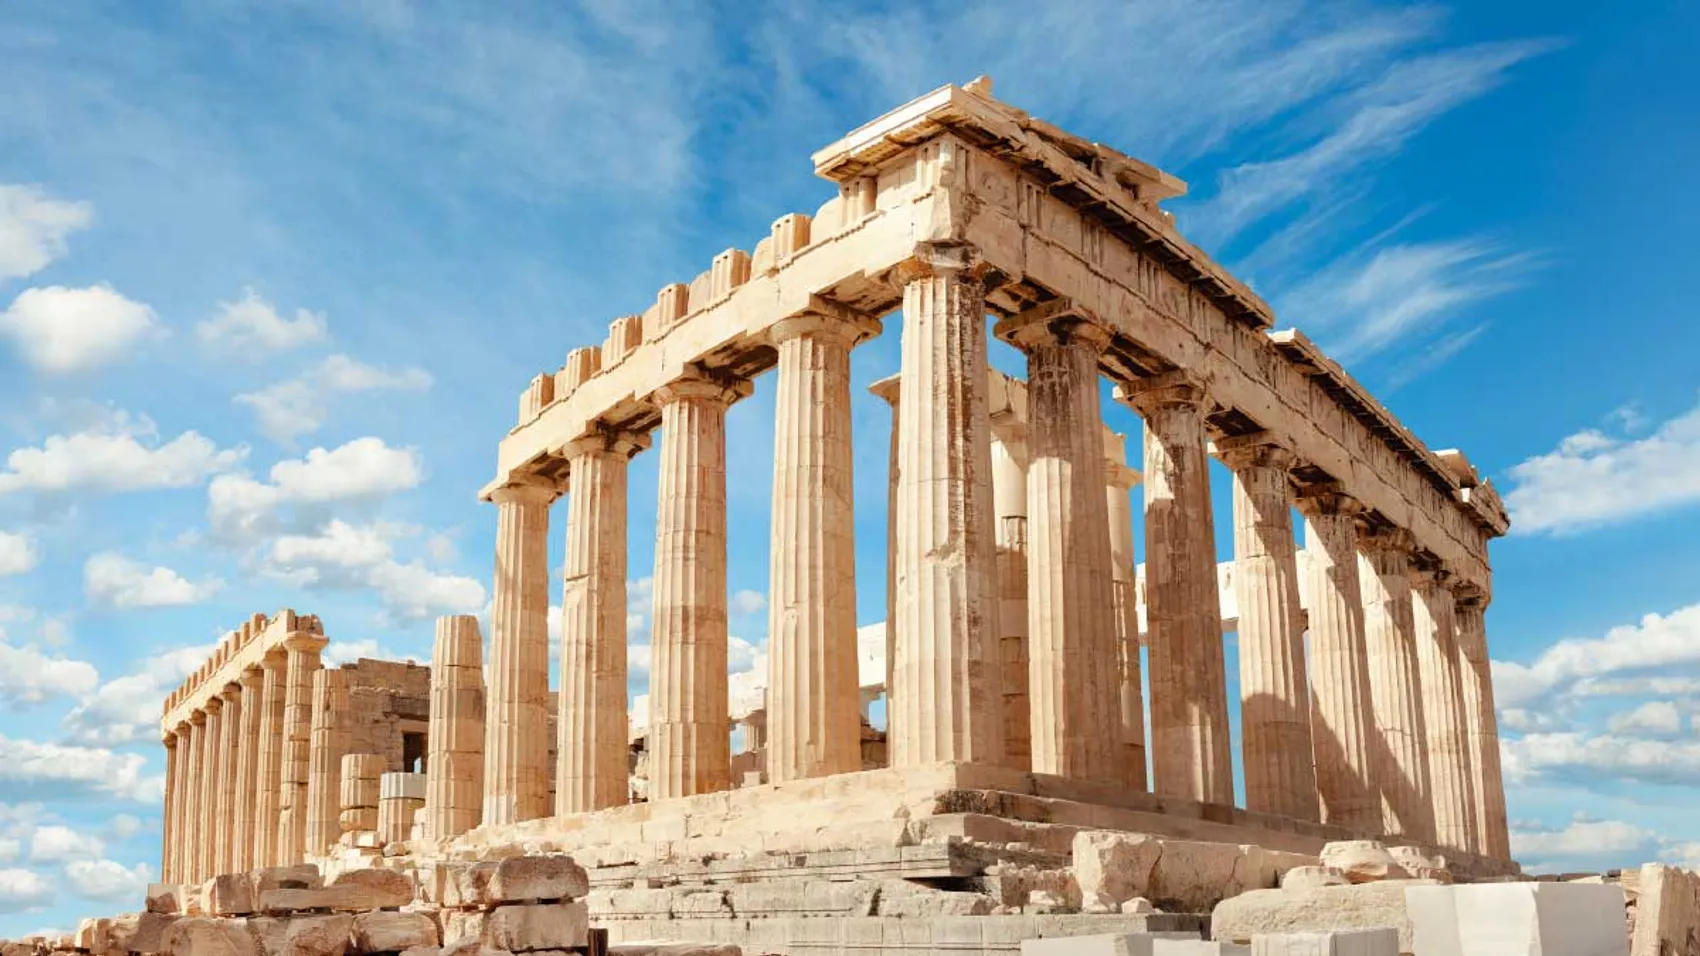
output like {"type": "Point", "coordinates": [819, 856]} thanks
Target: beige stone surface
{"type": "Point", "coordinates": [293, 810]}
{"type": "Point", "coordinates": [532, 878]}
{"type": "Point", "coordinates": [1366, 906]}
{"type": "Point", "coordinates": [400, 798]}
{"type": "Point", "coordinates": [1117, 487]}
{"type": "Point", "coordinates": [329, 742]}
{"type": "Point", "coordinates": [889, 390]}
{"type": "Point", "coordinates": [516, 720]}
{"type": "Point", "coordinates": [1481, 724]}
{"type": "Point", "coordinates": [245, 784]}
{"type": "Point", "coordinates": [1313, 877]}
{"type": "Point", "coordinates": [228, 894]}
{"type": "Point", "coordinates": [1666, 912]}
{"type": "Point", "coordinates": [1009, 496]}
{"type": "Point", "coordinates": [529, 927]}
{"type": "Point", "coordinates": [1344, 942]}
{"type": "Point", "coordinates": [454, 798]}
{"type": "Point", "coordinates": [1114, 865]}
{"type": "Point", "coordinates": [268, 770]}
{"type": "Point", "coordinates": [1399, 739]}
{"type": "Point", "coordinates": [202, 936]}
{"type": "Point", "coordinates": [1448, 746]}
{"type": "Point", "coordinates": [389, 932]}
{"type": "Point", "coordinates": [1363, 861]}
{"type": "Point", "coordinates": [176, 759]}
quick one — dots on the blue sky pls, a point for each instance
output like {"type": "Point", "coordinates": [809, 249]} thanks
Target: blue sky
{"type": "Point", "coordinates": [273, 275]}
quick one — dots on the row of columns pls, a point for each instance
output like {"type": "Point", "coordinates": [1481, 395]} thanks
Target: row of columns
{"type": "Point", "coordinates": [1425, 771]}
{"type": "Point", "coordinates": [237, 770]}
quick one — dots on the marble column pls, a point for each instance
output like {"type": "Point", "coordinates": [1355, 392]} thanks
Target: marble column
{"type": "Point", "coordinates": [230, 737]}
{"type": "Point", "coordinates": [1481, 723]}
{"type": "Point", "coordinates": [1402, 772]}
{"type": "Point", "coordinates": [268, 767]}
{"type": "Point", "coordinates": [304, 649]}
{"type": "Point", "coordinates": [328, 743]}
{"type": "Point", "coordinates": [946, 692]}
{"type": "Point", "coordinates": [516, 725]}
{"type": "Point", "coordinates": [1444, 719]}
{"type": "Point", "coordinates": [689, 728]}
{"type": "Point", "coordinates": [1339, 665]}
{"type": "Point", "coordinates": [888, 390]}
{"type": "Point", "coordinates": [1275, 731]}
{"type": "Point", "coordinates": [454, 770]}
{"type": "Point", "coordinates": [1191, 756]}
{"type": "Point", "coordinates": [194, 823]}
{"type": "Point", "coordinates": [1073, 677]}
{"type": "Point", "coordinates": [247, 763]}
{"type": "Point", "coordinates": [814, 726]}
{"type": "Point", "coordinates": [1009, 496]}
{"type": "Point", "coordinates": [173, 774]}
{"type": "Point", "coordinates": [211, 786]}
{"type": "Point", "coordinates": [1119, 481]}
{"type": "Point", "coordinates": [591, 771]}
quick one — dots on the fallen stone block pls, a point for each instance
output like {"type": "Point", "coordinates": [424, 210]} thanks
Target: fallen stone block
{"type": "Point", "coordinates": [228, 894]}
{"type": "Point", "coordinates": [1114, 864]}
{"type": "Point", "coordinates": [461, 926]}
{"type": "Point", "coordinates": [302, 876]}
{"type": "Point", "coordinates": [523, 879]}
{"type": "Point", "coordinates": [209, 936]}
{"type": "Point", "coordinates": [1536, 919]}
{"type": "Point", "coordinates": [1126, 944]}
{"type": "Point", "coordinates": [528, 927]}
{"type": "Point", "coordinates": [165, 898]}
{"type": "Point", "coordinates": [318, 935]}
{"type": "Point", "coordinates": [914, 901]}
{"type": "Point", "coordinates": [1312, 877]}
{"type": "Point", "coordinates": [673, 948]}
{"type": "Point", "coordinates": [1363, 861]}
{"type": "Point", "coordinates": [149, 934]}
{"type": "Point", "coordinates": [1362, 906]}
{"type": "Point", "coordinates": [1341, 942]}
{"type": "Point", "coordinates": [465, 884]}
{"type": "Point", "coordinates": [387, 932]}
{"type": "Point", "coordinates": [392, 886]}
{"type": "Point", "coordinates": [1667, 910]}
{"type": "Point", "coordinates": [92, 935]}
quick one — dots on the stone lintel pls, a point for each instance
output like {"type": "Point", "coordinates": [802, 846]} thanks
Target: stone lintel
{"type": "Point", "coordinates": [1059, 320]}
{"type": "Point", "coordinates": [245, 650]}
{"type": "Point", "coordinates": [825, 317]}
{"type": "Point", "coordinates": [1327, 498]}
{"type": "Point", "coordinates": [1174, 387]}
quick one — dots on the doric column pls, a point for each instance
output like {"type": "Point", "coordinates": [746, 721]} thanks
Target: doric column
{"type": "Point", "coordinates": [454, 786]}
{"type": "Point", "coordinates": [1009, 496]}
{"type": "Point", "coordinates": [1275, 732]}
{"type": "Point", "coordinates": [229, 745]}
{"type": "Point", "coordinates": [887, 389]}
{"type": "Point", "coordinates": [1191, 756]}
{"type": "Point", "coordinates": [813, 711]}
{"type": "Point", "coordinates": [1443, 711]}
{"type": "Point", "coordinates": [1119, 480]}
{"type": "Point", "coordinates": [268, 769]}
{"type": "Point", "coordinates": [211, 786]}
{"type": "Point", "coordinates": [193, 822]}
{"type": "Point", "coordinates": [516, 725]}
{"type": "Point", "coordinates": [1384, 574]}
{"type": "Point", "coordinates": [946, 689]}
{"type": "Point", "coordinates": [591, 772]}
{"type": "Point", "coordinates": [1339, 665]}
{"type": "Point", "coordinates": [1481, 723]}
{"type": "Point", "coordinates": [173, 771]}
{"type": "Point", "coordinates": [247, 763]}
{"type": "Point", "coordinates": [1073, 678]}
{"type": "Point", "coordinates": [303, 648]}
{"type": "Point", "coordinates": [329, 742]}
{"type": "Point", "coordinates": [689, 730]}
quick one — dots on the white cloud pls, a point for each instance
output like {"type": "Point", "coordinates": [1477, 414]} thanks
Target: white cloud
{"type": "Point", "coordinates": [1653, 718]}
{"type": "Point", "coordinates": [126, 709]}
{"type": "Point", "coordinates": [56, 843]}
{"type": "Point", "coordinates": [107, 881]}
{"type": "Point", "coordinates": [1657, 642]}
{"type": "Point", "coordinates": [124, 826]}
{"type": "Point", "coordinates": [114, 580]}
{"type": "Point", "coordinates": [1583, 844]}
{"type": "Point", "coordinates": [22, 889]}
{"type": "Point", "coordinates": [62, 330]}
{"type": "Point", "coordinates": [1593, 479]}
{"type": "Point", "coordinates": [49, 771]}
{"type": "Point", "coordinates": [18, 554]}
{"type": "Point", "coordinates": [299, 406]}
{"type": "Point", "coordinates": [28, 676]}
{"type": "Point", "coordinates": [240, 507]}
{"type": "Point", "coordinates": [251, 327]}
{"type": "Point", "coordinates": [1588, 758]}
{"type": "Point", "coordinates": [748, 602]}
{"type": "Point", "coordinates": [33, 229]}
{"type": "Point", "coordinates": [347, 556]}
{"type": "Point", "coordinates": [119, 453]}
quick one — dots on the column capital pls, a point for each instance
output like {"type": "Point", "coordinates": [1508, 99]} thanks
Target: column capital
{"type": "Point", "coordinates": [1057, 322]}
{"type": "Point", "coordinates": [825, 319]}
{"type": "Point", "coordinates": [622, 444]}
{"type": "Point", "coordinates": [1469, 594]}
{"type": "Point", "coordinates": [197, 717]}
{"type": "Point", "coordinates": [1259, 449]}
{"type": "Point", "coordinates": [1387, 540]}
{"type": "Point", "coordinates": [701, 386]}
{"type": "Point", "coordinates": [231, 692]}
{"type": "Point", "coordinates": [524, 489]}
{"type": "Point", "coordinates": [1177, 387]}
{"type": "Point", "coordinates": [169, 739]}
{"type": "Point", "coordinates": [1327, 500]}
{"type": "Point", "coordinates": [305, 641]}
{"type": "Point", "coordinates": [253, 675]}
{"type": "Point", "coordinates": [1120, 476]}
{"type": "Point", "coordinates": [943, 259]}
{"type": "Point", "coordinates": [213, 705]}
{"type": "Point", "coordinates": [1430, 574]}
{"type": "Point", "coordinates": [182, 729]}
{"type": "Point", "coordinates": [888, 388]}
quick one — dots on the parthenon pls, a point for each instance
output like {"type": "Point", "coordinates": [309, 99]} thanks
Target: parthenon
{"type": "Point", "coordinates": [1035, 676]}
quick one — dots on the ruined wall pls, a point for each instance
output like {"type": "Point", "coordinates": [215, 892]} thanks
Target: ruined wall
{"type": "Point", "coordinates": [390, 708]}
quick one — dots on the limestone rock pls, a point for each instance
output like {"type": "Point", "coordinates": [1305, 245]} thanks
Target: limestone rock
{"type": "Point", "coordinates": [460, 926]}
{"type": "Point", "coordinates": [701, 903]}
{"type": "Point", "coordinates": [1342, 942]}
{"type": "Point", "coordinates": [1313, 877]}
{"type": "Point", "coordinates": [1138, 906]}
{"type": "Point", "coordinates": [1191, 877]}
{"type": "Point", "coordinates": [149, 933]}
{"type": "Point", "coordinates": [1420, 865]}
{"type": "Point", "coordinates": [1044, 901]}
{"type": "Point", "coordinates": [1667, 911]}
{"type": "Point", "coordinates": [525, 878]}
{"type": "Point", "coordinates": [208, 936]}
{"type": "Point", "coordinates": [304, 876]}
{"type": "Point", "coordinates": [165, 898]}
{"type": "Point", "coordinates": [1363, 861]}
{"type": "Point", "coordinates": [905, 899]}
{"type": "Point", "coordinates": [389, 887]}
{"type": "Point", "coordinates": [92, 935]}
{"type": "Point", "coordinates": [1114, 864]}
{"type": "Point", "coordinates": [1537, 919]}
{"type": "Point", "coordinates": [318, 936]}
{"type": "Point", "coordinates": [529, 927]}
{"type": "Point", "coordinates": [1363, 906]}
{"type": "Point", "coordinates": [383, 932]}
{"type": "Point", "coordinates": [228, 894]}
{"type": "Point", "coordinates": [664, 948]}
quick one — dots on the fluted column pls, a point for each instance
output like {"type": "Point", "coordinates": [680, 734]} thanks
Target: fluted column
{"type": "Point", "coordinates": [888, 390]}
{"type": "Point", "coordinates": [1191, 757]}
{"type": "Point", "coordinates": [268, 768]}
{"type": "Point", "coordinates": [211, 786]}
{"type": "Point", "coordinates": [1402, 773]}
{"type": "Point", "coordinates": [516, 726]}
{"type": "Point", "coordinates": [1482, 725]}
{"type": "Point", "coordinates": [946, 688]}
{"type": "Point", "coordinates": [173, 770]}
{"type": "Point", "coordinates": [454, 770]}
{"type": "Point", "coordinates": [328, 744]}
{"type": "Point", "coordinates": [230, 736]}
{"type": "Point", "coordinates": [813, 704]}
{"type": "Point", "coordinates": [1341, 709]}
{"type": "Point", "coordinates": [1009, 496]}
{"type": "Point", "coordinates": [304, 649]}
{"type": "Point", "coordinates": [689, 729]}
{"type": "Point", "coordinates": [193, 829]}
{"type": "Point", "coordinates": [1119, 480]}
{"type": "Point", "coordinates": [241, 850]}
{"type": "Point", "coordinates": [1072, 656]}
{"type": "Point", "coordinates": [1275, 732]}
{"type": "Point", "coordinates": [1443, 712]}
{"type": "Point", "coordinates": [591, 772]}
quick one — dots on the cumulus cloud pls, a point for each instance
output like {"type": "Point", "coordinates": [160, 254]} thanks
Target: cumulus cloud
{"type": "Point", "coordinates": [106, 880]}
{"type": "Point", "coordinates": [1588, 758]}
{"type": "Point", "coordinates": [27, 676]}
{"type": "Point", "coordinates": [56, 843]}
{"type": "Point", "coordinates": [299, 406]}
{"type": "Point", "coordinates": [1655, 718]}
{"type": "Point", "coordinates": [18, 554]}
{"type": "Point", "coordinates": [33, 228]}
{"type": "Point", "coordinates": [60, 330]}
{"type": "Point", "coordinates": [22, 889]}
{"type": "Point", "coordinates": [111, 579]}
{"type": "Point", "coordinates": [366, 469]}
{"type": "Point", "coordinates": [1583, 844]}
{"type": "Point", "coordinates": [121, 452]}
{"type": "Point", "coordinates": [341, 555]}
{"type": "Point", "coordinates": [1593, 479]}
{"type": "Point", "coordinates": [49, 771]}
{"type": "Point", "coordinates": [1656, 642]}
{"type": "Point", "coordinates": [748, 602]}
{"type": "Point", "coordinates": [126, 708]}
{"type": "Point", "coordinates": [251, 327]}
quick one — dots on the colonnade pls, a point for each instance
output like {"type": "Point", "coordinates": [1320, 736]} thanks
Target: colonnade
{"type": "Point", "coordinates": [1389, 729]}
